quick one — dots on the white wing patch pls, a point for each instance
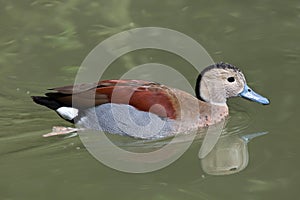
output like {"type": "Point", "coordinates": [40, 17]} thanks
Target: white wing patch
{"type": "Point", "coordinates": [67, 112]}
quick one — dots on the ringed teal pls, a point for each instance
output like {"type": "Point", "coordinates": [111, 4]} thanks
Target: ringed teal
{"type": "Point", "coordinates": [156, 110]}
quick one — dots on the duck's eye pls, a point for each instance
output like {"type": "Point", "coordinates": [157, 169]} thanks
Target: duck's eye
{"type": "Point", "coordinates": [230, 79]}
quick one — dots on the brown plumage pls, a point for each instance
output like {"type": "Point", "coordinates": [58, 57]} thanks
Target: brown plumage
{"type": "Point", "coordinates": [137, 93]}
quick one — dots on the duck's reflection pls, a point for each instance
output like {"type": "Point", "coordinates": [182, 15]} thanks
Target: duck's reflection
{"type": "Point", "coordinates": [229, 155]}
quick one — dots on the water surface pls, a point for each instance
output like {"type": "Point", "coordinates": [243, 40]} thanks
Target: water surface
{"type": "Point", "coordinates": [42, 43]}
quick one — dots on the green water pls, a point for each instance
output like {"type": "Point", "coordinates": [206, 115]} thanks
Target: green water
{"type": "Point", "coordinates": [42, 43]}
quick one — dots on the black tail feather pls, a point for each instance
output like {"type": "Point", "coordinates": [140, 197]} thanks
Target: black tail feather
{"type": "Point", "coordinates": [46, 101]}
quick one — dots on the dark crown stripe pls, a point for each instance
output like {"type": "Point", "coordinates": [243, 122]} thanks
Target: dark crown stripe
{"type": "Point", "coordinates": [221, 65]}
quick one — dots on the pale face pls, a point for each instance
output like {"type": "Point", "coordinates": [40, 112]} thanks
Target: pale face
{"type": "Point", "coordinates": [220, 83]}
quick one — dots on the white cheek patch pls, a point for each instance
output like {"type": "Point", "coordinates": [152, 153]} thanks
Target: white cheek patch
{"type": "Point", "coordinates": [67, 112]}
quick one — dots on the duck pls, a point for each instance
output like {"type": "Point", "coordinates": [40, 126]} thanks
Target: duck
{"type": "Point", "coordinates": [145, 109]}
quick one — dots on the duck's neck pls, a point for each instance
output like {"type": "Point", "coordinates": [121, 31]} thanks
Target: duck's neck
{"type": "Point", "coordinates": [211, 114]}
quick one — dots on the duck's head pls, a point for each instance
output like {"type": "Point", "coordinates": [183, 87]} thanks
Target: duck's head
{"type": "Point", "coordinates": [220, 81]}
